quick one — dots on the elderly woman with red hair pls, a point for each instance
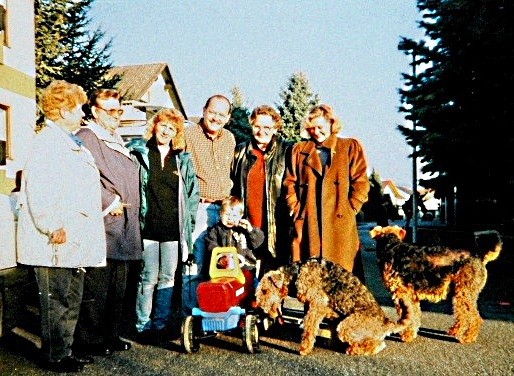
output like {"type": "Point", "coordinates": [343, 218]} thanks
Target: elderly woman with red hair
{"type": "Point", "coordinates": [169, 200]}
{"type": "Point", "coordinates": [326, 184]}
{"type": "Point", "coordinates": [60, 224]}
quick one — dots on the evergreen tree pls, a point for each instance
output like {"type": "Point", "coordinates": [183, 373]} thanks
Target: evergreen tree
{"type": "Point", "coordinates": [239, 124]}
{"type": "Point", "coordinates": [67, 49]}
{"type": "Point", "coordinates": [50, 30]}
{"type": "Point", "coordinates": [374, 209]}
{"type": "Point", "coordinates": [297, 99]}
{"type": "Point", "coordinates": [463, 103]}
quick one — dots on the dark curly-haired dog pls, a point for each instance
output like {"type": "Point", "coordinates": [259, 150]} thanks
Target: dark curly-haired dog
{"type": "Point", "coordinates": [329, 291]}
{"type": "Point", "coordinates": [413, 273]}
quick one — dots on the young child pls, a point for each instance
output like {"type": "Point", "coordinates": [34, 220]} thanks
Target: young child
{"type": "Point", "coordinates": [234, 231]}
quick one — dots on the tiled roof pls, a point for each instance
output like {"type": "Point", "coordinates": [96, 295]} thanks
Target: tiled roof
{"type": "Point", "coordinates": [136, 80]}
{"type": "Point", "coordinates": [394, 189]}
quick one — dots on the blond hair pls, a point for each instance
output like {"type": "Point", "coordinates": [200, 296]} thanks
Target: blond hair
{"type": "Point", "coordinates": [172, 116]}
{"type": "Point", "coordinates": [325, 111]}
{"type": "Point", "coordinates": [231, 202]}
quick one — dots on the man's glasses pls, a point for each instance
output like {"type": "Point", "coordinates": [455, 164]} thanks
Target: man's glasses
{"type": "Point", "coordinates": [112, 111]}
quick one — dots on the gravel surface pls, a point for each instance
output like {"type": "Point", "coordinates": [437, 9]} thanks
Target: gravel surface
{"type": "Point", "coordinates": [432, 353]}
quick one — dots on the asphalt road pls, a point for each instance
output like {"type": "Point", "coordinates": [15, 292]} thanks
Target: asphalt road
{"type": "Point", "coordinates": [432, 353]}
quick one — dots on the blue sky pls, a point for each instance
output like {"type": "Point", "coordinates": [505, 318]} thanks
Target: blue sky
{"type": "Point", "coordinates": [347, 49]}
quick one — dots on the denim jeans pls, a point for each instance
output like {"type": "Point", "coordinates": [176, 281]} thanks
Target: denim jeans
{"type": "Point", "coordinates": [206, 216]}
{"type": "Point", "coordinates": [60, 294]}
{"type": "Point", "coordinates": [160, 262]}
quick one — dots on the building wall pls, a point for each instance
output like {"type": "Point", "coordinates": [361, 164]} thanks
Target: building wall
{"type": "Point", "coordinates": [17, 86]}
{"type": "Point", "coordinates": [158, 95]}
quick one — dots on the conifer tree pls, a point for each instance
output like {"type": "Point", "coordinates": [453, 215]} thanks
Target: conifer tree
{"type": "Point", "coordinates": [297, 99]}
{"type": "Point", "coordinates": [463, 104]}
{"type": "Point", "coordinates": [239, 124]}
{"type": "Point", "coordinates": [66, 48]}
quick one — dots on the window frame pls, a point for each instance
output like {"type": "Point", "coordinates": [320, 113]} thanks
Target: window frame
{"type": "Point", "coordinates": [8, 143]}
{"type": "Point", "coordinates": [4, 33]}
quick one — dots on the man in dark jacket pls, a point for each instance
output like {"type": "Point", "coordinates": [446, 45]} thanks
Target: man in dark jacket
{"type": "Point", "coordinates": [257, 173]}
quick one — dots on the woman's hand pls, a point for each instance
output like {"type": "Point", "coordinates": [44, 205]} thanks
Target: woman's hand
{"type": "Point", "coordinates": [58, 236]}
{"type": "Point", "coordinates": [119, 209]}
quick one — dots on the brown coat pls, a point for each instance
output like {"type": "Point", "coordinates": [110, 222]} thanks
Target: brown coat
{"type": "Point", "coordinates": [328, 229]}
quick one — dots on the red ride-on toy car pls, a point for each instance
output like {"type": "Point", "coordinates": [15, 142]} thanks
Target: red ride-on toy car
{"type": "Point", "coordinates": [223, 304]}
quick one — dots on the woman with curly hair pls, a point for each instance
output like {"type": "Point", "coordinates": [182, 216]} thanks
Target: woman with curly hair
{"type": "Point", "coordinates": [326, 184]}
{"type": "Point", "coordinates": [169, 200]}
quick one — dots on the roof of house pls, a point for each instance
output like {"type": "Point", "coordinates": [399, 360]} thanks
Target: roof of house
{"type": "Point", "coordinates": [136, 80]}
{"type": "Point", "coordinates": [396, 191]}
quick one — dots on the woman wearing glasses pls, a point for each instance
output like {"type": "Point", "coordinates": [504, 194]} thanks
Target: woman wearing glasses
{"type": "Point", "coordinates": [99, 326]}
{"type": "Point", "coordinates": [257, 173]}
{"type": "Point", "coordinates": [169, 201]}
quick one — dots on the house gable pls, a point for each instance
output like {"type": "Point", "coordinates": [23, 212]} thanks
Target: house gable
{"type": "Point", "coordinates": [148, 83]}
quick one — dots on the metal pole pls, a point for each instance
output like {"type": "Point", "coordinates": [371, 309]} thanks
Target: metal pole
{"type": "Point", "coordinates": [414, 168]}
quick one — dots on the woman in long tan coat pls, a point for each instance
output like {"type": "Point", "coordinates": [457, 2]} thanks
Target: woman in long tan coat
{"type": "Point", "coordinates": [326, 184]}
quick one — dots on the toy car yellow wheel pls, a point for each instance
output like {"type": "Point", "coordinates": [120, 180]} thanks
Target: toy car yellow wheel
{"type": "Point", "coordinates": [188, 339]}
{"type": "Point", "coordinates": [251, 334]}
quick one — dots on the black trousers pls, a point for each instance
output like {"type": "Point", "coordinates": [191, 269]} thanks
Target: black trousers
{"type": "Point", "coordinates": [60, 294]}
{"type": "Point", "coordinates": [101, 312]}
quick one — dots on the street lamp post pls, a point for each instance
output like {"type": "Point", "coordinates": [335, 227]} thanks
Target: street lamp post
{"type": "Point", "coordinates": [414, 166]}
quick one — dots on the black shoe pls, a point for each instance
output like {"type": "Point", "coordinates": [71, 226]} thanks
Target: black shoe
{"type": "Point", "coordinates": [146, 337]}
{"type": "Point", "coordinates": [162, 336]}
{"type": "Point", "coordinates": [103, 350]}
{"type": "Point", "coordinates": [83, 358]}
{"type": "Point", "coordinates": [87, 350]}
{"type": "Point", "coordinates": [119, 345]}
{"type": "Point", "coordinates": [66, 364]}
{"type": "Point", "coordinates": [168, 334]}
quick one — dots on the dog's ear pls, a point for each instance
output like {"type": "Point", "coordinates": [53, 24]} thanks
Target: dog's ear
{"type": "Point", "coordinates": [277, 279]}
{"type": "Point", "coordinates": [402, 233]}
{"type": "Point", "coordinates": [375, 231]}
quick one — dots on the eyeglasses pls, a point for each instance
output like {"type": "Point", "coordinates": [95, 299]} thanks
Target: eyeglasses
{"type": "Point", "coordinates": [112, 111]}
{"type": "Point", "coordinates": [265, 129]}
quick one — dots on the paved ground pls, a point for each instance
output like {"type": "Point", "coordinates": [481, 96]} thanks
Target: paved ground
{"type": "Point", "coordinates": [432, 353]}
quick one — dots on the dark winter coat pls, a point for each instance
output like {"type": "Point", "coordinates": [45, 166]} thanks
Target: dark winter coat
{"type": "Point", "coordinates": [119, 178]}
{"type": "Point", "coordinates": [275, 165]}
{"type": "Point", "coordinates": [221, 236]}
{"type": "Point", "coordinates": [189, 195]}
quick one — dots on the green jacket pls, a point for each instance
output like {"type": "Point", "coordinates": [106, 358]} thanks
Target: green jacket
{"type": "Point", "coordinates": [189, 195]}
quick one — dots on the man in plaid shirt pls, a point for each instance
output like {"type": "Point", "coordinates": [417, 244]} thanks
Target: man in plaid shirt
{"type": "Point", "coordinates": [212, 149]}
